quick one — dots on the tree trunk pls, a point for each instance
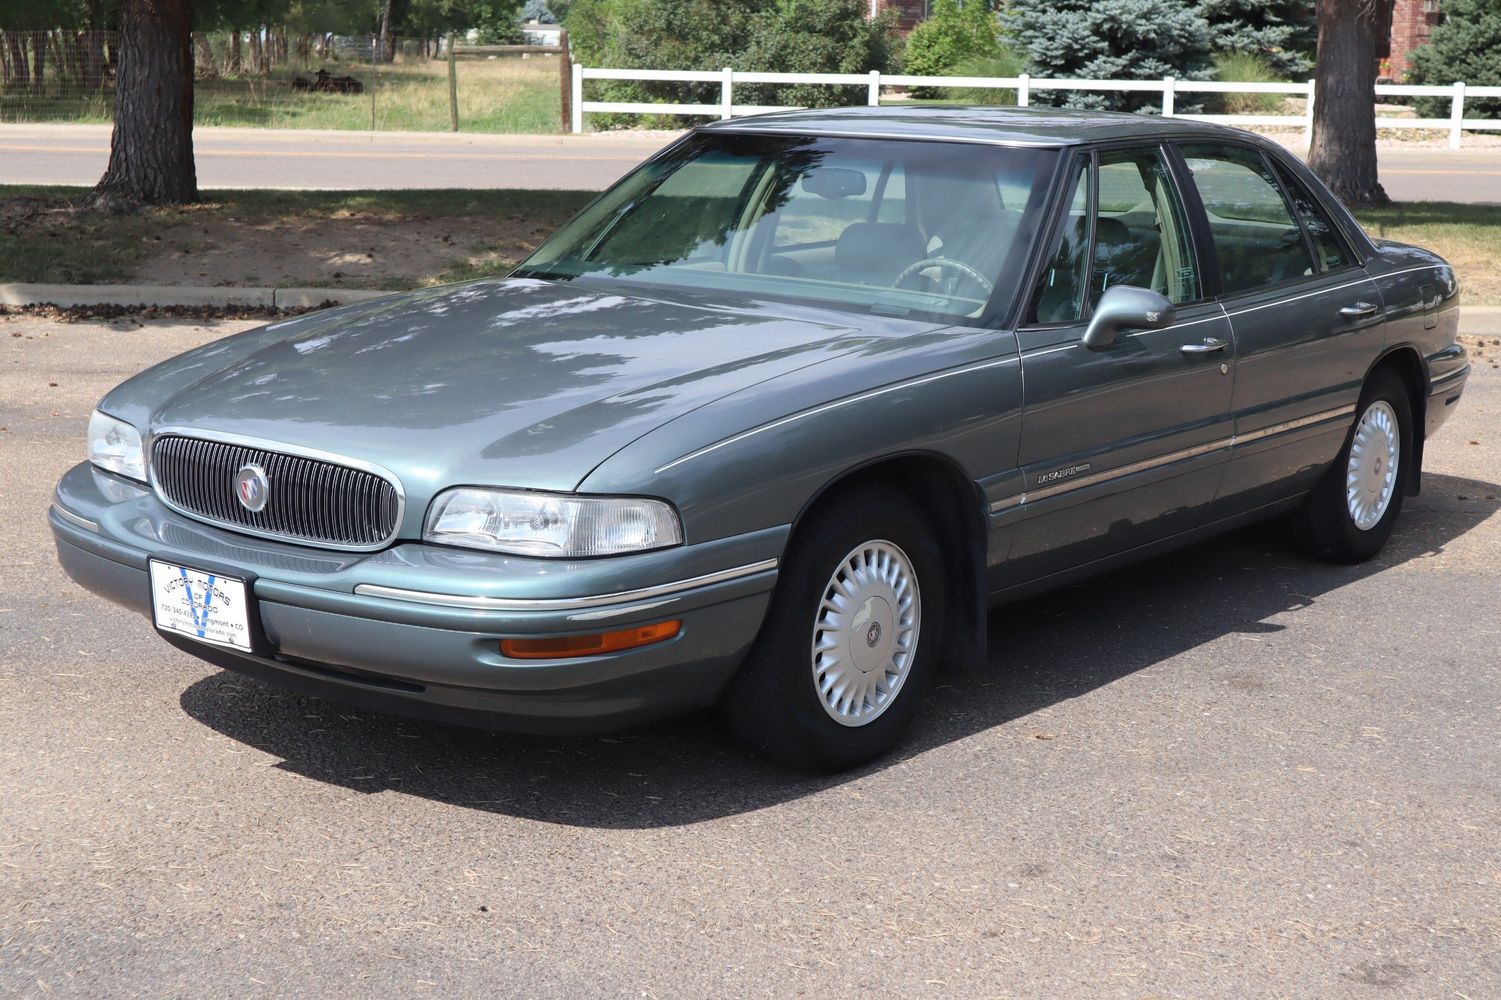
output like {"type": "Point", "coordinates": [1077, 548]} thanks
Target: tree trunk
{"type": "Point", "coordinates": [203, 62]}
{"type": "Point", "coordinates": [255, 50]}
{"type": "Point", "coordinates": [1343, 152]}
{"type": "Point", "coordinates": [233, 68]}
{"type": "Point", "coordinates": [21, 73]}
{"type": "Point", "coordinates": [93, 71]}
{"type": "Point", "coordinates": [385, 31]}
{"type": "Point", "coordinates": [151, 148]}
{"type": "Point", "coordinates": [38, 60]}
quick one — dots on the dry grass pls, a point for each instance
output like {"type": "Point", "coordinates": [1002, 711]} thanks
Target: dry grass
{"type": "Point", "coordinates": [1468, 236]}
{"type": "Point", "coordinates": [494, 95]}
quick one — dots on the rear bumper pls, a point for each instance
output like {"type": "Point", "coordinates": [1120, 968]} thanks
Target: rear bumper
{"type": "Point", "coordinates": [1443, 395]}
{"type": "Point", "coordinates": [434, 651]}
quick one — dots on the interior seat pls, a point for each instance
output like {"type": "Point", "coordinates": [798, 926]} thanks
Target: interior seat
{"type": "Point", "coordinates": [874, 253]}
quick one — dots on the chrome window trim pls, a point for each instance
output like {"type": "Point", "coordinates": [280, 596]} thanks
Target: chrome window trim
{"type": "Point", "coordinates": [265, 444]}
{"type": "Point", "coordinates": [483, 603]}
{"type": "Point", "coordinates": [1147, 464]}
{"type": "Point", "coordinates": [77, 520]}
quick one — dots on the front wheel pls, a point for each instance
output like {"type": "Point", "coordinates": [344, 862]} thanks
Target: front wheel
{"type": "Point", "coordinates": [851, 639]}
{"type": "Point", "coordinates": [1351, 513]}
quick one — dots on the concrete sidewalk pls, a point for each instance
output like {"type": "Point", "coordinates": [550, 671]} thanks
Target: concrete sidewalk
{"type": "Point", "coordinates": [66, 296]}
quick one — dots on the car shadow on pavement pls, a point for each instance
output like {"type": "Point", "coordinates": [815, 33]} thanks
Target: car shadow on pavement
{"type": "Point", "coordinates": [1045, 650]}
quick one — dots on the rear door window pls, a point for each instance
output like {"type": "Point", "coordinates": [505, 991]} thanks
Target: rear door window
{"type": "Point", "coordinates": [1257, 239]}
{"type": "Point", "coordinates": [1327, 246]}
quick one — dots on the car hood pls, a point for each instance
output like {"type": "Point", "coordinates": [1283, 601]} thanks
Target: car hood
{"type": "Point", "coordinates": [507, 382]}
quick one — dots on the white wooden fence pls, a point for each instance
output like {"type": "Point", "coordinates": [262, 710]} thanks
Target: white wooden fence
{"type": "Point", "coordinates": [1456, 123]}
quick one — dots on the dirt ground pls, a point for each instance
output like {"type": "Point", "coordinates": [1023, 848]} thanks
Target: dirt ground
{"type": "Point", "coordinates": [353, 251]}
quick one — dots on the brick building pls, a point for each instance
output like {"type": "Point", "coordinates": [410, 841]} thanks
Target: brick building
{"type": "Point", "coordinates": [1408, 24]}
{"type": "Point", "coordinates": [908, 12]}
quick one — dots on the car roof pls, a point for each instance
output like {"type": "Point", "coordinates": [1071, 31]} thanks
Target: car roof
{"type": "Point", "coordinates": [997, 125]}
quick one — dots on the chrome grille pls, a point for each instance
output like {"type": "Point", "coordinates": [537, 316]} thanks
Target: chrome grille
{"type": "Point", "coordinates": [311, 500]}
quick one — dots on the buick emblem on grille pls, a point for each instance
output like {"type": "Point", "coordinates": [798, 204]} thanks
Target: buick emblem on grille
{"type": "Point", "coordinates": [252, 488]}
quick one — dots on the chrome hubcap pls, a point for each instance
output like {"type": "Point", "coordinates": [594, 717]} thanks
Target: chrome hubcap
{"type": "Point", "coordinates": [865, 633]}
{"type": "Point", "coordinates": [1371, 476]}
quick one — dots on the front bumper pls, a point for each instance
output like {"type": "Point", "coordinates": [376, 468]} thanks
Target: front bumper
{"type": "Point", "coordinates": [422, 635]}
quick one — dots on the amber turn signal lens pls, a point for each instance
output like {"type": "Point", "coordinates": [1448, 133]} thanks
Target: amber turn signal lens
{"type": "Point", "coordinates": [588, 645]}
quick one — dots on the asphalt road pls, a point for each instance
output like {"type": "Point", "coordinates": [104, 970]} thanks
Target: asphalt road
{"type": "Point", "coordinates": [1226, 773]}
{"type": "Point", "coordinates": [265, 158]}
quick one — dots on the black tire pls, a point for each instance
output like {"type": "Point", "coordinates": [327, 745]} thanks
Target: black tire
{"type": "Point", "coordinates": [1324, 526]}
{"type": "Point", "coordinates": [773, 704]}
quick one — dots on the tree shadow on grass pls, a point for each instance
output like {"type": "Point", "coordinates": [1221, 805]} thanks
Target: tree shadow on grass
{"type": "Point", "coordinates": [688, 770]}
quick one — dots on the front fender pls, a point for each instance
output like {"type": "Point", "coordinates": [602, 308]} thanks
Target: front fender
{"type": "Point", "coordinates": [755, 458]}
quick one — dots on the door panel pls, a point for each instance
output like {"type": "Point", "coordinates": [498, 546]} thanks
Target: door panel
{"type": "Point", "coordinates": [1307, 322]}
{"type": "Point", "coordinates": [1299, 368]}
{"type": "Point", "coordinates": [1121, 445]}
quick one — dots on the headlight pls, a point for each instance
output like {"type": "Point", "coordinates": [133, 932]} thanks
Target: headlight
{"type": "Point", "coordinates": [115, 446]}
{"type": "Point", "coordinates": [551, 524]}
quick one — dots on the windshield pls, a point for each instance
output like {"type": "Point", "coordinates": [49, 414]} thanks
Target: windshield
{"type": "Point", "coordinates": [888, 226]}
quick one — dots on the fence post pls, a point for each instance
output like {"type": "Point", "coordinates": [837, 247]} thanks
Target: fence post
{"type": "Point", "coordinates": [873, 93]}
{"type": "Point", "coordinates": [565, 81]}
{"type": "Point", "coordinates": [1023, 90]}
{"type": "Point", "coordinates": [453, 86]}
{"type": "Point", "coordinates": [1308, 118]}
{"type": "Point", "coordinates": [726, 84]}
{"type": "Point", "coordinates": [1167, 97]}
{"type": "Point", "coordinates": [578, 98]}
{"type": "Point", "coordinates": [1456, 115]}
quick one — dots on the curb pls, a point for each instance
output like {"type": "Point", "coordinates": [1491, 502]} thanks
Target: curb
{"type": "Point", "coordinates": [66, 296]}
{"type": "Point", "coordinates": [1480, 320]}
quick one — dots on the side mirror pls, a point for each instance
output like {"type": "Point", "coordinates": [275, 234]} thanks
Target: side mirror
{"type": "Point", "coordinates": [1126, 307]}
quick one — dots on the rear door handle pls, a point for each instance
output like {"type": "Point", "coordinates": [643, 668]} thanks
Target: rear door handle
{"type": "Point", "coordinates": [1208, 346]}
{"type": "Point", "coordinates": [1359, 310]}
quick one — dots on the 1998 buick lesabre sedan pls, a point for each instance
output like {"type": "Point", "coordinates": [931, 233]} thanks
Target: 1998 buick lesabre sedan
{"type": "Point", "coordinates": [773, 422]}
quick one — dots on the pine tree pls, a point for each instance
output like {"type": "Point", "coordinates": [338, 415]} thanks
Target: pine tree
{"type": "Point", "coordinates": [1282, 32]}
{"type": "Point", "coordinates": [1111, 39]}
{"type": "Point", "coordinates": [1467, 47]}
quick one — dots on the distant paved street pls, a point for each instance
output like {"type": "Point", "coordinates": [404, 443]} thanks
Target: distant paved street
{"type": "Point", "coordinates": [1227, 773]}
{"type": "Point", "coordinates": [256, 158]}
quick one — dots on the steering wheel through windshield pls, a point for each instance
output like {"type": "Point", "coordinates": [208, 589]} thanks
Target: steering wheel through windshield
{"type": "Point", "coordinates": [945, 264]}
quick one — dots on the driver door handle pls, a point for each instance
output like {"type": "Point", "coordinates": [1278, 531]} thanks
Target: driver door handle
{"type": "Point", "coordinates": [1209, 346]}
{"type": "Point", "coordinates": [1359, 310]}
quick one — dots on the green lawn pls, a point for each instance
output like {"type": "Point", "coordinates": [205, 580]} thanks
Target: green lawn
{"type": "Point", "coordinates": [1468, 236]}
{"type": "Point", "coordinates": [494, 95]}
{"type": "Point", "coordinates": [43, 238]}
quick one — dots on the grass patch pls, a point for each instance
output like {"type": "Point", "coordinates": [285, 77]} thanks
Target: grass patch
{"type": "Point", "coordinates": [495, 95]}
{"type": "Point", "coordinates": [347, 239]}
{"type": "Point", "coordinates": [1467, 236]}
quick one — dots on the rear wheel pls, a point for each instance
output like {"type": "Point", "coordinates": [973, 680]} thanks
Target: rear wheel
{"type": "Point", "coordinates": [1351, 513]}
{"type": "Point", "coordinates": [851, 640]}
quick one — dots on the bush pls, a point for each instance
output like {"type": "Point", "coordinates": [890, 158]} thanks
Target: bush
{"type": "Point", "coordinates": [793, 36]}
{"type": "Point", "coordinates": [815, 36]}
{"type": "Point", "coordinates": [1282, 32]}
{"type": "Point", "coordinates": [1243, 67]}
{"type": "Point", "coordinates": [1111, 39]}
{"type": "Point", "coordinates": [1466, 46]}
{"type": "Point", "coordinates": [956, 31]}
{"type": "Point", "coordinates": [1009, 62]}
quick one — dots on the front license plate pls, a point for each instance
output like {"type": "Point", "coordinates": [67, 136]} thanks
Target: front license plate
{"type": "Point", "coordinates": [204, 606]}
